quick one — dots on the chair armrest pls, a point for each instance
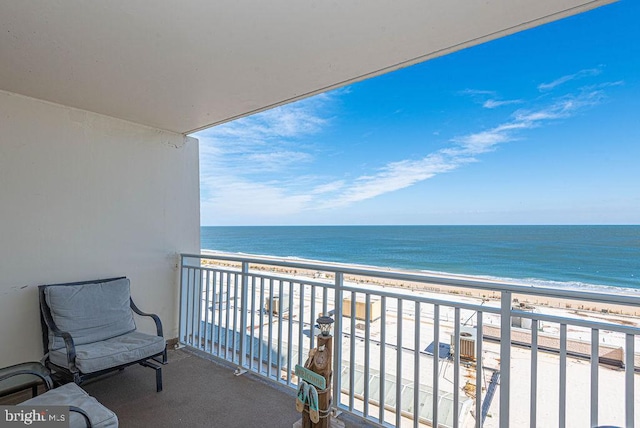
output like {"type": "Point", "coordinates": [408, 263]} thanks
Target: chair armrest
{"type": "Point", "coordinates": [83, 413]}
{"type": "Point", "coordinates": [70, 346]}
{"type": "Point", "coordinates": [68, 340]}
{"type": "Point", "coordinates": [46, 379]}
{"type": "Point", "coordinates": [156, 318]}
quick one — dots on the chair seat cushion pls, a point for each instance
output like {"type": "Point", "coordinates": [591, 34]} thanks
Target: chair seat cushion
{"type": "Point", "coordinates": [72, 395]}
{"type": "Point", "coordinates": [113, 352]}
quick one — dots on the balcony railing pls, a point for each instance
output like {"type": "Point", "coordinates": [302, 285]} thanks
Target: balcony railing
{"type": "Point", "coordinates": [410, 356]}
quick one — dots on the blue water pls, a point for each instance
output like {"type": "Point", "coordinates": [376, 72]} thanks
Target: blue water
{"type": "Point", "coordinates": [577, 256]}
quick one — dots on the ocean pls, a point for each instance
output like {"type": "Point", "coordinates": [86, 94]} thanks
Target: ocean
{"type": "Point", "coordinates": [558, 256]}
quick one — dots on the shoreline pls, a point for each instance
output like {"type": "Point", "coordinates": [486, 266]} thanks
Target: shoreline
{"type": "Point", "coordinates": [606, 311]}
{"type": "Point", "coordinates": [536, 283]}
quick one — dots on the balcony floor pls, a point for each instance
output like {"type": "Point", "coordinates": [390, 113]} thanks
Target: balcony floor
{"type": "Point", "coordinates": [197, 393]}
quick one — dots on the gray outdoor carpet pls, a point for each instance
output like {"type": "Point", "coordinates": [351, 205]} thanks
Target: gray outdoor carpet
{"type": "Point", "coordinates": [197, 393]}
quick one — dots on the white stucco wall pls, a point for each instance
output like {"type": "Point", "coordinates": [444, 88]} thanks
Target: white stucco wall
{"type": "Point", "coordinates": [85, 196]}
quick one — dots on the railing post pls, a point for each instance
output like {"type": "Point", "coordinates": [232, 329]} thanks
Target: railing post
{"type": "Point", "coordinates": [456, 366]}
{"type": "Point", "coordinates": [629, 371]}
{"type": "Point", "coordinates": [479, 362]}
{"type": "Point", "coordinates": [435, 391]}
{"type": "Point", "coordinates": [242, 361]}
{"type": "Point", "coordinates": [505, 357]}
{"type": "Point", "coordinates": [187, 308]}
{"type": "Point", "coordinates": [183, 298]}
{"type": "Point", "coordinates": [533, 412]}
{"type": "Point", "coordinates": [337, 341]}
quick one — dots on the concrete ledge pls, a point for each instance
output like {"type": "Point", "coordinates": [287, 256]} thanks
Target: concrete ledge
{"type": "Point", "coordinates": [611, 355]}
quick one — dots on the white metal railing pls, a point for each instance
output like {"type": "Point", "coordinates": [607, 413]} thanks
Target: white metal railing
{"type": "Point", "coordinates": [389, 368]}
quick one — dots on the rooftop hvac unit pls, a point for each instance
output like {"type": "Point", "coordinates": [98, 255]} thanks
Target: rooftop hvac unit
{"type": "Point", "coordinates": [274, 304]}
{"type": "Point", "coordinates": [468, 336]}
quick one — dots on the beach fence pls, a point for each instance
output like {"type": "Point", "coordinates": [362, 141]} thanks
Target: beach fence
{"type": "Point", "coordinates": [412, 349]}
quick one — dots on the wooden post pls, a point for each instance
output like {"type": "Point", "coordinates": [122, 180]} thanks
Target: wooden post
{"type": "Point", "coordinates": [320, 361]}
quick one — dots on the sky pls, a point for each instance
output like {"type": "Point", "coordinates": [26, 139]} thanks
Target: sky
{"type": "Point", "coordinates": [540, 127]}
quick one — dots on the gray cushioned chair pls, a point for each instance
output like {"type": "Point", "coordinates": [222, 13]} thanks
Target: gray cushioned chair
{"type": "Point", "coordinates": [88, 329]}
{"type": "Point", "coordinates": [84, 410]}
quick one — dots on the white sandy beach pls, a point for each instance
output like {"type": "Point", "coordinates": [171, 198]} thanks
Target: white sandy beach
{"type": "Point", "coordinates": [622, 314]}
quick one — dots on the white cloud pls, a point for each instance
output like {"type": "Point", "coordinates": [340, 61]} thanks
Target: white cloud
{"type": "Point", "coordinates": [564, 79]}
{"type": "Point", "coordinates": [237, 200]}
{"type": "Point", "coordinates": [287, 121]}
{"type": "Point", "coordinates": [488, 99]}
{"type": "Point", "coordinates": [602, 85]}
{"type": "Point", "coordinates": [265, 143]}
{"type": "Point", "coordinates": [401, 174]}
{"type": "Point", "coordinates": [246, 165]}
{"type": "Point", "coordinates": [275, 161]}
{"type": "Point", "coordinates": [563, 107]}
{"type": "Point", "coordinates": [331, 187]}
{"type": "Point", "coordinates": [491, 103]}
{"type": "Point", "coordinates": [393, 176]}
{"type": "Point", "coordinates": [239, 160]}
{"type": "Point", "coordinates": [477, 92]}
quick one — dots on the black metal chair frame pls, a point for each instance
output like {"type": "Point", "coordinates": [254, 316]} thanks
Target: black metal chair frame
{"type": "Point", "coordinates": [72, 372]}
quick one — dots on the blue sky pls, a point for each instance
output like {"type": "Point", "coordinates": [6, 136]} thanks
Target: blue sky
{"type": "Point", "coordinates": [541, 127]}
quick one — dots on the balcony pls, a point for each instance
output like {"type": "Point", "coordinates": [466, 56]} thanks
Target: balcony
{"type": "Point", "coordinates": [100, 179]}
{"type": "Point", "coordinates": [521, 362]}
{"type": "Point", "coordinates": [568, 366]}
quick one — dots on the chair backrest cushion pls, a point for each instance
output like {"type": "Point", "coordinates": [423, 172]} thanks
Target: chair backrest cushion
{"type": "Point", "coordinates": [90, 312]}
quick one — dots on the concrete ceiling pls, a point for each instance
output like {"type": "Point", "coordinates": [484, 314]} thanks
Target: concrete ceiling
{"type": "Point", "coordinates": [186, 65]}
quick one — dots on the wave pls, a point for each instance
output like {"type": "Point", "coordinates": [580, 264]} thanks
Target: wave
{"type": "Point", "coordinates": [546, 283]}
